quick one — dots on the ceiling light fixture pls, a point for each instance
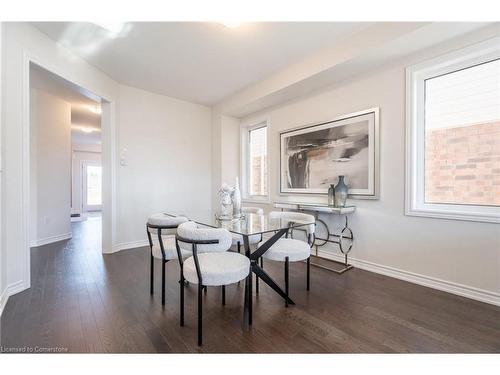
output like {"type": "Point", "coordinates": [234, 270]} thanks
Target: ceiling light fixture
{"type": "Point", "coordinates": [94, 109]}
{"type": "Point", "coordinates": [113, 27]}
{"type": "Point", "coordinates": [85, 129]}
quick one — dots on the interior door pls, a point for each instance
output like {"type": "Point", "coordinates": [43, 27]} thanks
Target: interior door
{"type": "Point", "coordinates": [92, 186]}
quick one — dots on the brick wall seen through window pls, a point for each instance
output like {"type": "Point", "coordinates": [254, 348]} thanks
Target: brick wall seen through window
{"type": "Point", "coordinates": [462, 136]}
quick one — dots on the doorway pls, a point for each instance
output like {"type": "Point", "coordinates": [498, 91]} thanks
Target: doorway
{"type": "Point", "coordinates": [66, 174]}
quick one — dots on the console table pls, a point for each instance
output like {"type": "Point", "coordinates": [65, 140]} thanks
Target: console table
{"type": "Point", "coordinates": [345, 234]}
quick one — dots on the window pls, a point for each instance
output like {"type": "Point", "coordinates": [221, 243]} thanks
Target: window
{"type": "Point", "coordinates": [94, 182]}
{"type": "Point", "coordinates": [453, 145]}
{"type": "Point", "coordinates": [92, 186]}
{"type": "Point", "coordinates": [254, 142]}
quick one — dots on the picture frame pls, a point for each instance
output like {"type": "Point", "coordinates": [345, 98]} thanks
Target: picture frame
{"type": "Point", "coordinates": [313, 156]}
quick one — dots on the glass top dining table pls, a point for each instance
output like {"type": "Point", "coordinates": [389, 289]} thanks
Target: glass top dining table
{"type": "Point", "coordinates": [251, 224]}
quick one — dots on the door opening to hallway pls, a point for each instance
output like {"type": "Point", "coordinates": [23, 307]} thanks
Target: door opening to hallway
{"type": "Point", "coordinates": [66, 171]}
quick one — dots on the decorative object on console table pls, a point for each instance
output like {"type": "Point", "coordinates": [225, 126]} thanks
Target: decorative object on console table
{"type": "Point", "coordinates": [312, 157]}
{"type": "Point", "coordinates": [341, 191]}
{"type": "Point", "coordinates": [344, 239]}
{"type": "Point", "coordinates": [236, 200]}
{"type": "Point", "coordinates": [226, 203]}
{"type": "Point", "coordinates": [331, 195]}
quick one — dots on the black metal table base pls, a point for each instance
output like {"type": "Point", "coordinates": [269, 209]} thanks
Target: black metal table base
{"type": "Point", "coordinates": [261, 274]}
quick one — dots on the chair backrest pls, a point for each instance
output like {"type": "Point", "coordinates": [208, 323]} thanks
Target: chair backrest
{"type": "Point", "coordinates": [167, 224]}
{"type": "Point", "coordinates": [190, 233]}
{"type": "Point", "coordinates": [253, 210]}
{"type": "Point", "coordinates": [297, 217]}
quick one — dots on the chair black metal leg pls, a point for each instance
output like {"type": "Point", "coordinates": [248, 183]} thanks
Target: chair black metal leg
{"type": "Point", "coordinates": [223, 295]}
{"type": "Point", "coordinates": [257, 276]}
{"type": "Point", "coordinates": [239, 252]}
{"type": "Point", "coordinates": [205, 289]}
{"type": "Point", "coordinates": [264, 277]}
{"type": "Point", "coordinates": [308, 273]}
{"type": "Point", "coordinates": [181, 285]}
{"type": "Point", "coordinates": [287, 265]}
{"type": "Point", "coordinates": [151, 275]}
{"type": "Point", "coordinates": [163, 283]}
{"type": "Point", "coordinates": [250, 299]}
{"type": "Point", "coordinates": [200, 316]}
{"type": "Point", "coordinates": [256, 284]}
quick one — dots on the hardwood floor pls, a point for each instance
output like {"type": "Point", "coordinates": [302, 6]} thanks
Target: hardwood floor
{"type": "Point", "coordinates": [83, 301]}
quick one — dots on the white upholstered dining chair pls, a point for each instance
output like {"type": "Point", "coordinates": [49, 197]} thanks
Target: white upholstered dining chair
{"type": "Point", "coordinates": [161, 230]}
{"type": "Point", "coordinates": [290, 249]}
{"type": "Point", "coordinates": [211, 264]}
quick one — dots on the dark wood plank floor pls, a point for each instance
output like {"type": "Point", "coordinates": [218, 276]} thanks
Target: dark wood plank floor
{"type": "Point", "coordinates": [82, 301]}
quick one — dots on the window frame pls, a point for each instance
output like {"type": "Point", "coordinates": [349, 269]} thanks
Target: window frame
{"type": "Point", "coordinates": [416, 76]}
{"type": "Point", "coordinates": [245, 162]}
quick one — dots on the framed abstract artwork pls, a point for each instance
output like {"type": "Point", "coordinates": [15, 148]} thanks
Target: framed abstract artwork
{"type": "Point", "coordinates": [312, 157]}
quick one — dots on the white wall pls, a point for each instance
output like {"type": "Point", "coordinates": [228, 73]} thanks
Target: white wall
{"type": "Point", "coordinates": [461, 257]}
{"type": "Point", "coordinates": [225, 152]}
{"type": "Point", "coordinates": [3, 259]}
{"type": "Point", "coordinates": [50, 156]}
{"type": "Point", "coordinates": [166, 145]}
{"type": "Point", "coordinates": [230, 130]}
{"type": "Point", "coordinates": [81, 153]}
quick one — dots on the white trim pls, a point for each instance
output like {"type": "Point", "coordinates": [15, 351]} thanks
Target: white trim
{"type": "Point", "coordinates": [131, 245]}
{"type": "Point", "coordinates": [415, 133]}
{"type": "Point", "coordinates": [108, 120]}
{"type": "Point", "coordinates": [264, 200]}
{"type": "Point", "coordinates": [4, 297]}
{"type": "Point", "coordinates": [50, 239]}
{"type": "Point", "coordinates": [10, 290]}
{"type": "Point", "coordinates": [430, 282]}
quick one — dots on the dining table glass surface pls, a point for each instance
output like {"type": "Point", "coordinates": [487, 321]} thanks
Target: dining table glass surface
{"type": "Point", "coordinates": [248, 225]}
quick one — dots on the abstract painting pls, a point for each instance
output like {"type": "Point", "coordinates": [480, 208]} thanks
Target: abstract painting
{"type": "Point", "coordinates": [313, 157]}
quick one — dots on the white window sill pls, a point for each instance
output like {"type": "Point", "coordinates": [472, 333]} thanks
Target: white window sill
{"type": "Point", "coordinates": [263, 200]}
{"type": "Point", "coordinates": [484, 215]}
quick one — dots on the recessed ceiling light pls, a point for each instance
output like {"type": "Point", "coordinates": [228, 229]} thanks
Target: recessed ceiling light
{"type": "Point", "coordinates": [111, 26]}
{"type": "Point", "coordinates": [94, 109]}
{"type": "Point", "coordinates": [85, 129]}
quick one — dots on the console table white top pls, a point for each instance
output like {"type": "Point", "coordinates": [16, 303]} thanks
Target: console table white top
{"type": "Point", "coordinates": [316, 207]}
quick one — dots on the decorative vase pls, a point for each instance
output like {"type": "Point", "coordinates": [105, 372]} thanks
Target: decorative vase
{"type": "Point", "coordinates": [331, 195]}
{"type": "Point", "coordinates": [237, 200]}
{"type": "Point", "coordinates": [226, 202]}
{"type": "Point", "coordinates": [341, 191]}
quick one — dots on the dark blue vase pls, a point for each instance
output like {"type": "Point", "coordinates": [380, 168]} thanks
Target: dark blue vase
{"type": "Point", "coordinates": [341, 191]}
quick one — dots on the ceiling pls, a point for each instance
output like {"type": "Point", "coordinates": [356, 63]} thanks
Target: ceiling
{"type": "Point", "coordinates": [196, 61]}
{"type": "Point", "coordinates": [81, 104]}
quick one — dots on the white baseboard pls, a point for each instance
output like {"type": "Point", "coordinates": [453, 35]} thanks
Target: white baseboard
{"type": "Point", "coordinates": [51, 239]}
{"type": "Point", "coordinates": [4, 297]}
{"type": "Point", "coordinates": [431, 282]}
{"type": "Point", "coordinates": [131, 245]}
{"type": "Point", "coordinates": [10, 290]}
